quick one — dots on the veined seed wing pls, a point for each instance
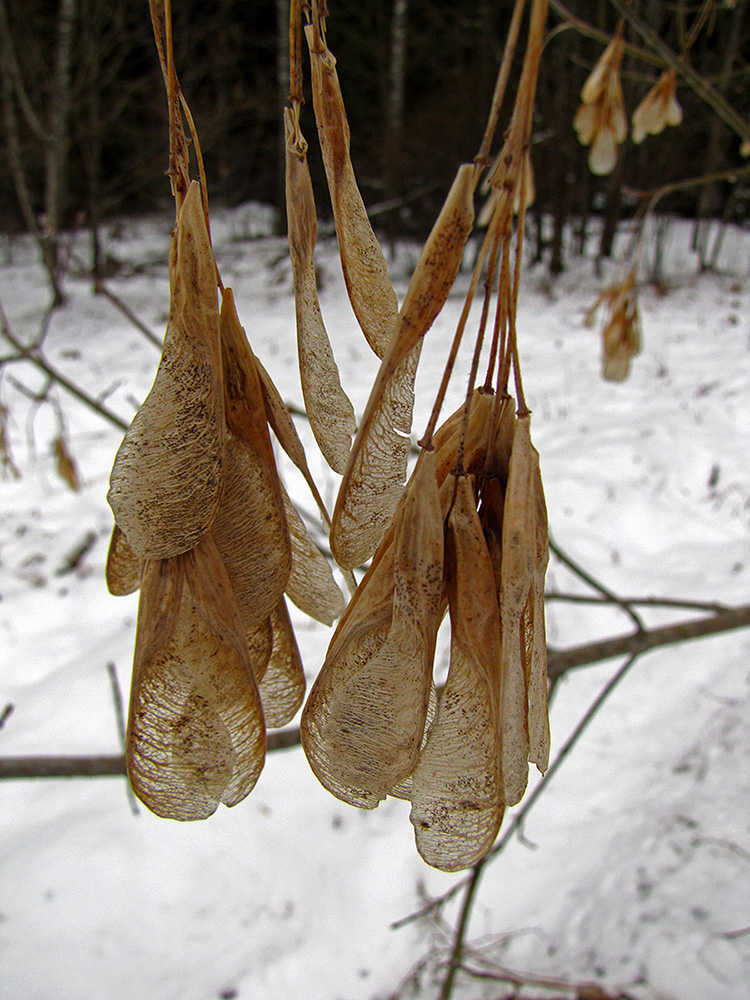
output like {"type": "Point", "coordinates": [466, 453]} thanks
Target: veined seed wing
{"type": "Point", "coordinates": [365, 270]}
{"type": "Point", "coordinates": [282, 688]}
{"type": "Point", "coordinates": [166, 479]}
{"type": "Point", "coordinates": [328, 407]}
{"type": "Point", "coordinates": [376, 470]}
{"type": "Point", "coordinates": [250, 531]}
{"type": "Point", "coordinates": [311, 585]}
{"type": "Point", "coordinates": [196, 734]}
{"type": "Point", "coordinates": [457, 796]}
{"type": "Point", "coordinates": [124, 567]}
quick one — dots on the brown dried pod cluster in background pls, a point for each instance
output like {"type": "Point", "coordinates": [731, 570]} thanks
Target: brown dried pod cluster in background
{"type": "Point", "coordinates": [202, 526]}
{"type": "Point", "coordinates": [621, 333]}
{"type": "Point", "coordinates": [600, 120]}
{"type": "Point", "coordinates": [474, 544]}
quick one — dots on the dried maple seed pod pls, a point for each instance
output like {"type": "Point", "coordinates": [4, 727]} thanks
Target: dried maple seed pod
{"type": "Point", "coordinates": [166, 479]}
{"type": "Point", "coordinates": [124, 567]}
{"type": "Point", "coordinates": [524, 658]}
{"type": "Point", "coordinates": [196, 733]}
{"type": "Point", "coordinates": [363, 263]}
{"type": "Point", "coordinates": [311, 585]}
{"type": "Point", "coordinates": [457, 801]}
{"type": "Point", "coordinates": [376, 471]}
{"type": "Point", "coordinates": [251, 533]}
{"type": "Point", "coordinates": [328, 408]}
{"type": "Point", "coordinates": [282, 688]}
{"type": "Point", "coordinates": [365, 717]}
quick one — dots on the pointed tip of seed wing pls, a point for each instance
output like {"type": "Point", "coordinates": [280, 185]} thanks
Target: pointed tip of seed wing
{"type": "Point", "coordinates": [124, 567]}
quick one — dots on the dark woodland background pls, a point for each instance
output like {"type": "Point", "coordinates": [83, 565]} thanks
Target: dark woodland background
{"type": "Point", "coordinates": [105, 130]}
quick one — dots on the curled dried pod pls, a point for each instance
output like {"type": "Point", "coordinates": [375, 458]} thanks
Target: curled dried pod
{"type": "Point", "coordinates": [363, 262]}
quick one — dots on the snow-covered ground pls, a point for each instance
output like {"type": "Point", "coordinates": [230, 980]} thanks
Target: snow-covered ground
{"type": "Point", "coordinates": [634, 867]}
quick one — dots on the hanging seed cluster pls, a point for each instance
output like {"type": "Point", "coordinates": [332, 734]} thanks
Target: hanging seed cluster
{"type": "Point", "coordinates": [474, 545]}
{"type": "Point", "coordinates": [205, 529]}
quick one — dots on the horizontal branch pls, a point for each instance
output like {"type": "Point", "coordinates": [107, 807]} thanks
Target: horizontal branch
{"type": "Point", "coordinates": [559, 662]}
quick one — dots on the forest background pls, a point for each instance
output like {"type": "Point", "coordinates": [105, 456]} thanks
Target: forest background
{"type": "Point", "coordinates": [84, 116]}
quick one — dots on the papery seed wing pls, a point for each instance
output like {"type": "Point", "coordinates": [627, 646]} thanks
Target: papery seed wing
{"type": "Point", "coordinates": [250, 531]}
{"type": "Point", "coordinates": [283, 686]}
{"type": "Point", "coordinates": [336, 719]}
{"type": "Point", "coordinates": [365, 270]}
{"type": "Point", "coordinates": [166, 479]}
{"type": "Point", "coordinates": [196, 735]}
{"type": "Point", "coordinates": [311, 585]}
{"type": "Point", "coordinates": [328, 407]}
{"type": "Point", "coordinates": [457, 801]}
{"type": "Point", "coordinates": [374, 478]}
{"type": "Point", "coordinates": [524, 662]}
{"type": "Point", "coordinates": [437, 267]}
{"type": "Point", "coordinates": [376, 471]}
{"type": "Point", "coordinates": [124, 567]}
{"type": "Point", "coordinates": [245, 403]}
{"type": "Point", "coordinates": [280, 421]}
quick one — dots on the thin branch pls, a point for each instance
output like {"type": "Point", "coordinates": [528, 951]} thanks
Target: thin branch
{"type": "Point", "coordinates": [32, 355]}
{"type": "Point", "coordinates": [559, 661]}
{"type": "Point", "coordinates": [101, 289]}
{"type": "Point", "coordinates": [580, 572]}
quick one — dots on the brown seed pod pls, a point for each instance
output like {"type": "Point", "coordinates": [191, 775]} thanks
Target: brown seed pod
{"type": "Point", "coordinates": [196, 734]}
{"type": "Point", "coordinates": [328, 407]}
{"type": "Point", "coordinates": [524, 656]}
{"type": "Point", "coordinates": [124, 567]}
{"type": "Point", "coordinates": [364, 720]}
{"type": "Point", "coordinates": [457, 800]}
{"type": "Point", "coordinates": [251, 534]}
{"type": "Point", "coordinates": [311, 585]}
{"type": "Point", "coordinates": [282, 688]}
{"type": "Point", "coordinates": [166, 479]}
{"type": "Point", "coordinates": [365, 270]}
{"type": "Point", "coordinates": [376, 470]}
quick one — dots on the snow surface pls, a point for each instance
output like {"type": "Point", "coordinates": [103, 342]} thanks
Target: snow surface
{"type": "Point", "coordinates": [634, 867]}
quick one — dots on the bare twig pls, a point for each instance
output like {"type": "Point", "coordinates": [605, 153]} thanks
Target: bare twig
{"type": "Point", "coordinates": [566, 560]}
{"type": "Point", "coordinates": [559, 661]}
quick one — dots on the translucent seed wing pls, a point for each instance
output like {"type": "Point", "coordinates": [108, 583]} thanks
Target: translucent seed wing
{"type": "Point", "coordinates": [365, 271]}
{"type": "Point", "coordinates": [457, 801]}
{"type": "Point", "coordinates": [250, 531]}
{"type": "Point", "coordinates": [328, 407]}
{"type": "Point", "coordinates": [280, 421]}
{"type": "Point", "coordinates": [166, 479]}
{"type": "Point", "coordinates": [376, 470]}
{"type": "Point", "coordinates": [124, 567]}
{"type": "Point", "coordinates": [311, 585]}
{"type": "Point", "coordinates": [283, 686]}
{"type": "Point", "coordinates": [196, 735]}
